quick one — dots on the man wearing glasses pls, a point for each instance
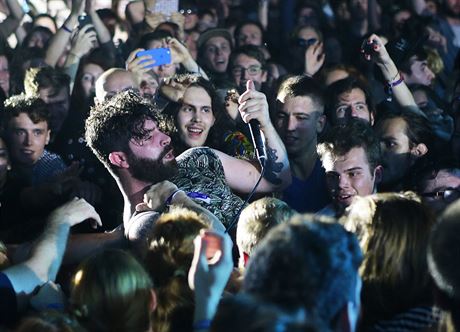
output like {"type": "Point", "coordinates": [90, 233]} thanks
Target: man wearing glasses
{"type": "Point", "coordinates": [439, 184]}
{"type": "Point", "coordinates": [248, 63]}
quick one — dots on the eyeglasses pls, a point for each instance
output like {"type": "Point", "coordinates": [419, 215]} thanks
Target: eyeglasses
{"type": "Point", "coordinates": [448, 194]}
{"type": "Point", "coordinates": [188, 11]}
{"type": "Point", "coordinates": [251, 70]}
{"type": "Point", "coordinates": [305, 43]}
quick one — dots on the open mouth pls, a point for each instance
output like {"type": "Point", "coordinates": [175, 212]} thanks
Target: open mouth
{"type": "Point", "coordinates": [344, 197]}
{"type": "Point", "coordinates": [169, 155]}
{"type": "Point", "coordinates": [27, 152]}
{"type": "Point", "coordinates": [194, 131]}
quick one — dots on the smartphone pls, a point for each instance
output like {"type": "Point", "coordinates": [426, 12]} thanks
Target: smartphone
{"type": "Point", "coordinates": [162, 56]}
{"type": "Point", "coordinates": [213, 247]}
{"type": "Point", "coordinates": [84, 20]}
{"type": "Point", "coordinates": [166, 7]}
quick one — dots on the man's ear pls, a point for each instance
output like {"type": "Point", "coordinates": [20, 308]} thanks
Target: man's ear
{"type": "Point", "coordinates": [320, 123]}
{"type": "Point", "coordinates": [264, 76]}
{"type": "Point", "coordinates": [153, 300]}
{"type": "Point", "coordinates": [119, 159]}
{"type": "Point", "coordinates": [378, 174]}
{"type": "Point", "coordinates": [371, 118]}
{"type": "Point", "coordinates": [419, 150]}
{"type": "Point", "coordinates": [48, 136]}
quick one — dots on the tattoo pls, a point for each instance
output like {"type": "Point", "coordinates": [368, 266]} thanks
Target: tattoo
{"type": "Point", "coordinates": [272, 168]}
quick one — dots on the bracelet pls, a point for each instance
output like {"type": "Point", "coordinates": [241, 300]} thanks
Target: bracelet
{"type": "Point", "coordinates": [395, 82]}
{"type": "Point", "coordinates": [170, 198]}
{"type": "Point", "coordinates": [391, 84]}
{"type": "Point", "coordinates": [204, 324]}
{"type": "Point", "coordinates": [63, 26]}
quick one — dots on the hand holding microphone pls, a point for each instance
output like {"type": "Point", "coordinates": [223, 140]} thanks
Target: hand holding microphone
{"type": "Point", "coordinates": [254, 111]}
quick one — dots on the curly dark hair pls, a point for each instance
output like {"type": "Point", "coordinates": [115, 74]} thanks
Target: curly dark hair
{"type": "Point", "coordinates": [34, 107]}
{"type": "Point", "coordinates": [339, 140]}
{"type": "Point", "coordinates": [306, 263]}
{"type": "Point", "coordinates": [113, 123]}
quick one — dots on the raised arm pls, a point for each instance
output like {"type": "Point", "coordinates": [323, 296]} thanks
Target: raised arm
{"type": "Point", "coordinates": [12, 22]}
{"type": "Point", "coordinates": [62, 36]}
{"type": "Point", "coordinates": [103, 34]}
{"type": "Point", "coordinates": [391, 74]}
{"type": "Point", "coordinates": [242, 175]}
{"type": "Point", "coordinates": [48, 250]}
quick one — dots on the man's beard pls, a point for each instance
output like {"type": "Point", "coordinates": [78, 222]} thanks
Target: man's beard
{"type": "Point", "coordinates": [152, 170]}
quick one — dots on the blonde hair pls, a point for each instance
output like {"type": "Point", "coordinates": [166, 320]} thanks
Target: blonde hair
{"type": "Point", "coordinates": [257, 219]}
{"type": "Point", "coordinates": [111, 291]}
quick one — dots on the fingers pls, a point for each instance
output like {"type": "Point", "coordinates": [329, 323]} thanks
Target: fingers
{"type": "Point", "coordinates": [141, 207]}
{"type": "Point", "coordinates": [250, 86]}
{"type": "Point", "coordinates": [133, 54]}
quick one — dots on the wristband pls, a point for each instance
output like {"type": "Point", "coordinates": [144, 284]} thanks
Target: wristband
{"type": "Point", "coordinates": [391, 84]}
{"type": "Point", "coordinates": [199, 196]}
{"type": "Point", "coordinates": [66, 28]}
{"type": "Point", "coordinates": [170, 198]}
{"type": "Point", "coordinates": [204, 324]}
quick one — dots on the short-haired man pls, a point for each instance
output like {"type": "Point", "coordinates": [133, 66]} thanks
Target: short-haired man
{"type": "Point", "coordinates": [299, 119]}
{"type": "Point", "coordinates": [255, 221]}
{"type": "Point", "coordinates": [53, 87]}
{"type": "Point", "coordinates": [112, 81]}
{"type": "Point", "coordinates": [439, 184]}
{"type": "Point", "coordinates": [309, 265]}
{"type": "Point", "coordinates": [248, 63]}
{"type": "Point", "coordinates": [351, 157]}
{"type": "Point", "coordinates": [349, 98]}
{"type": "Point", "coordinates": [26, 123]}
{"type": "Point", "coordinates": [416, 70]}
{"type": "Point", "coordinates": [405, 138]}
{"type": "Point", "coordinates": [126, 135]}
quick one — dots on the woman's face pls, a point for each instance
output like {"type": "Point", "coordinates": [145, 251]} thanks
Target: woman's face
{"type": "Point", "coordinates": [91, 73]}
{"type": "Point", "coordinates": [195, 117]}
{"type": "Point", "coordinates": [4, 75]}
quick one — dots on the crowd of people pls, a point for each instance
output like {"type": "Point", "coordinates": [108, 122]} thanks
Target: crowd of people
{"type": "Point", "coordinates": [133, 198]}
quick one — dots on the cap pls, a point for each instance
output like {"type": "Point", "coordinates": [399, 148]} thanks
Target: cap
{"type": "Point", "coordinates": [214, 32]}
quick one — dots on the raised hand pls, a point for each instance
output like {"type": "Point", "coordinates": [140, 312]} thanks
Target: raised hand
{"type": "Point", "coordinates": [84, 41]}
{"type": "Point", "coordinates": [210, 271]}
{"type": "Point", "coordinates": [254, 105]}
{"type": "Point", "coordinates": [314, 58]}
{"type": "Point", "coordinates": [74, 212]}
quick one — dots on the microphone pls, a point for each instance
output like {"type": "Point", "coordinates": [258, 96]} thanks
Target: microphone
{"type": "Point", "coordinates": [258, 140]}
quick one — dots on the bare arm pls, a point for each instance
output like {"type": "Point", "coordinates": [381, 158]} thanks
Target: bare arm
{"type": "Point", "coordinates": [155, 199]}
{"type": "Point", "coordinates": [48, 250]}
{"type": "Point", "coordinates": [241, 175]}
{"type": "Point", "coordinates": [263, 13]}
{"type": "Point", "coordinates": [62, 36]}
{"type": "Point", "coordinates": [390, 72]}
{"type": "Point", "coordinates": [15, 9]}
{"type": "Point", "coordinates": [103, 34]}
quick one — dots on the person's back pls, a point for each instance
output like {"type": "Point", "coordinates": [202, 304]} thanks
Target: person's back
{"type": "Point", "coordinates": [309, 264]}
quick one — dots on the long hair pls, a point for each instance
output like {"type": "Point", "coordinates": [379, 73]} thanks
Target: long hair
{"type": "Point", "coordinates": [111, 291]}
{"type": "Point", "coordinates": [393, 230]}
